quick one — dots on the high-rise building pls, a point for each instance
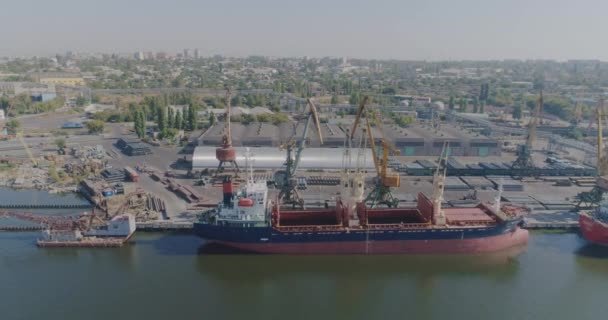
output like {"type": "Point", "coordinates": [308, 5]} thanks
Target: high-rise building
{"type": "Point", "coordinates": [196, 56]}
{"type": "Point", "coordinates": [139, 55]}
{"type": "Point", "coordinates": [186, 53]}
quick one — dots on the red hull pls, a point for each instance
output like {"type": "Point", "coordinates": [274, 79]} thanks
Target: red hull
{"type": "Point", "coordinates": [594, 230]}
{"type": "Point", "coordinates": [468, 246]}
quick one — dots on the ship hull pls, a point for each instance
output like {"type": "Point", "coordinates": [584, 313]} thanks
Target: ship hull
{"type": "Point", "coordinates": [593, 230]}
{"type": "Point", "coordinates": [421, 241]}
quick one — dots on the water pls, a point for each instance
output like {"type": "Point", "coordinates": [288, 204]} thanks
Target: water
{"type": "Point", "coordinates": [26, 196]}
{"type": "Point", "coordinates": [163, 276]}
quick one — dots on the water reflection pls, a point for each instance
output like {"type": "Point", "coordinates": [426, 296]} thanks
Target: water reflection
{"type": "Point", "coordinates": [229, 265]}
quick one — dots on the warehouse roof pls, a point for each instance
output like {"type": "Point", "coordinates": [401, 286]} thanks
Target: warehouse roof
{"type": "Point", "coordinates": [273, 158]}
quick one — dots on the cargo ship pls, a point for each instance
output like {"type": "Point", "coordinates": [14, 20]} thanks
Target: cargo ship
{"type": "Point", "coordinates": [247, 220]}
{"type": "Point", "coordinates": [115, 233]}
{"type": "Point", "coordinates": [594, 224]}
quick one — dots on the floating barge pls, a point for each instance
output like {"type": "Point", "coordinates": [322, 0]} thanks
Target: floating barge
{"type": "Point", "coordinates": [115, 234]}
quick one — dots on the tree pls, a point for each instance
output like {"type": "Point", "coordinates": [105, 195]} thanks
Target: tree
{"type": "Point", "coordinates": [184, 119]}
{"type": "Point", "coordinates": [81, 101]}
{"type": "Point", "coordinates": [451, 103]}
{"type": "Point", "coordinates": [334, 99]}
{"type": "Point", "coordinates": [12, 126]}
{"type": "Point", "coordinates": [279, 118]}
{"type": "Point", "coordinates": [247, 119]}
{"type": "Point", "coordinates": [482, 106]}
{"type": "Point", "coordinates": [170, 118]}
{"type": "Point", "coordinates": [178, 120]}
{"type": "Point", "coordinates": [462, 104]}
{"type": "Point", "coordinates": [211, 118]}
{"type": "Point", "coordinates": [140, 124]}
{"type": "Point", "coordinates": [95, 126]}
{"type": "Point", "coordinates": [476, 105]}
{"type": "Point", "coordinates": [517, 112]}
{"type": "Point", "coordinates": [355, 98]}
{"type": "Point", "coordinates": [484, 92]}
{"type": "Point", "coordinates": [161, 120]}
{"type": "Point", "coordinates": [60, 143]}
{"type": "Point", "coordinates": [264, 117]}
{"type": "Point", "coordinates": [192, 118]}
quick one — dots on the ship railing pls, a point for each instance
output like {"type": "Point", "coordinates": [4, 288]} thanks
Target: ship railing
{"type": "Point", "coordinates": [472, 223]}
{"type": "Point", "coordinates": [404, 226]}
{"type": "Point", "coordinates": [310, 228]}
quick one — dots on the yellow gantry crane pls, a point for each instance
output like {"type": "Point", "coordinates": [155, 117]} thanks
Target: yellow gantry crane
{"type": "Point", "coordinates": [385, 180]}
{"type": "Point", "coordinates": [595, 196]}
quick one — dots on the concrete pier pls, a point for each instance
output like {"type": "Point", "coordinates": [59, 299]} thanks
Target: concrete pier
{"type": "Point", "coordinates": [551, 220]}
{"type": "Point", "coordinates": [156, 226]}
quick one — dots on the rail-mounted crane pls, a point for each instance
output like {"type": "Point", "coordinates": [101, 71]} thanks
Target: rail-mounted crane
{"type": "Point", "coordinates": [592, 198]}
{"type": "Point", "coordinates": [385, 180]}
{"type": "Point", "coordinates": [524, 161]}
{"type": "Point", "coordinates": [286, 179]}
{"type": "Point", "coordinates": [226, 154]}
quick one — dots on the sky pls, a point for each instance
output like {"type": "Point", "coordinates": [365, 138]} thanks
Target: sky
{"type": "Point", "coordinates": [378, 29]}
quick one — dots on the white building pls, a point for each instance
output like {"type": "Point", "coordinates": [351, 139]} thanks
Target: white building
{"type": "Point", "coordinates": [2, 114]}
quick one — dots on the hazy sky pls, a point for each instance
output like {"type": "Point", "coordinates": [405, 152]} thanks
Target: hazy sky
{"type": "Point", "coordinates": [402, 29]}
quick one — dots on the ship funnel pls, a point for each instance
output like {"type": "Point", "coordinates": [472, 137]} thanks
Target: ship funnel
{"type": "Point", "coordinates": [228, 189]}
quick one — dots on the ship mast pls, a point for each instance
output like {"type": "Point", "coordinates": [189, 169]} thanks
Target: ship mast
{"type": "Point", "coordinates": [498, 196]}
{"type": "Point", "coordinates": [438, 187]}
{"type": "Point", "coordinates": [249, 165]}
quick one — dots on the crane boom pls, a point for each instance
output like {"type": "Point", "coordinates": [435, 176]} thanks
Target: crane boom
{"type": "Point", "coordinates": [534, 122]}
{"type": "Point", "coordinates": [358, 118]}
{"type": "Point", "coordinates": [228, 138]}
{"type": "Point", "coordinates": [312, 116]}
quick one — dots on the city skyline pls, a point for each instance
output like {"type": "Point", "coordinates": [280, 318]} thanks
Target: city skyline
{"type": "Point", "coordinates": [403, 30]}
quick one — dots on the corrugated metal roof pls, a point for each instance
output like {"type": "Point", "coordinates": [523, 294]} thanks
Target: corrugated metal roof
{"type": "Point", "coordinates": [273, 158]}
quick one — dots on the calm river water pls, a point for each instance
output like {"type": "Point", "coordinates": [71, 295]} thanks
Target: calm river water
{"type": "Point", "coordinates": [163, 276]}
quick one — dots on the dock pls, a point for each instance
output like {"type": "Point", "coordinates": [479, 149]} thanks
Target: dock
{"type": "Point", "coordinates": [43, 206]}
{"type": "Point", "coordinates": [21, 228]}
{"type": "Point", "coordinates": [157, 226]}
{"type": "Point", "coordinates": [552, 220]}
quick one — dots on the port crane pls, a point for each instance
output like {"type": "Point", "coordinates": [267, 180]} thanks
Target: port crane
{"type": "Point", "coordinates": [381, 193]}
{"type": "Point", "coordinates": [285, 179]}
{"type": "Point", "coordinates": [226, 154]}
{"type": "Point", "coordinates": [524, 162]}
{"type": "Point", "coordinates": [439, 177]}
{"type": "Point", "coordinates": [592, 198]}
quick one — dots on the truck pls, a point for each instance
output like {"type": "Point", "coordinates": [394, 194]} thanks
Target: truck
{"type": "Point", "coordinates": [132, 174]}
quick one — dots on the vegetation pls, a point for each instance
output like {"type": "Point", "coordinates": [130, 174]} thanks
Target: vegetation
{"type": "Point", "coordinates": [60, 143]}
{"type": "Point", "coordinates": [23, 104]}
{"type": "Point", "coordinates": [140, 124]}
{"type": "Point", "coordinates": [95, 126]}
{"type": "Point", "coordinates": [12, 126]}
